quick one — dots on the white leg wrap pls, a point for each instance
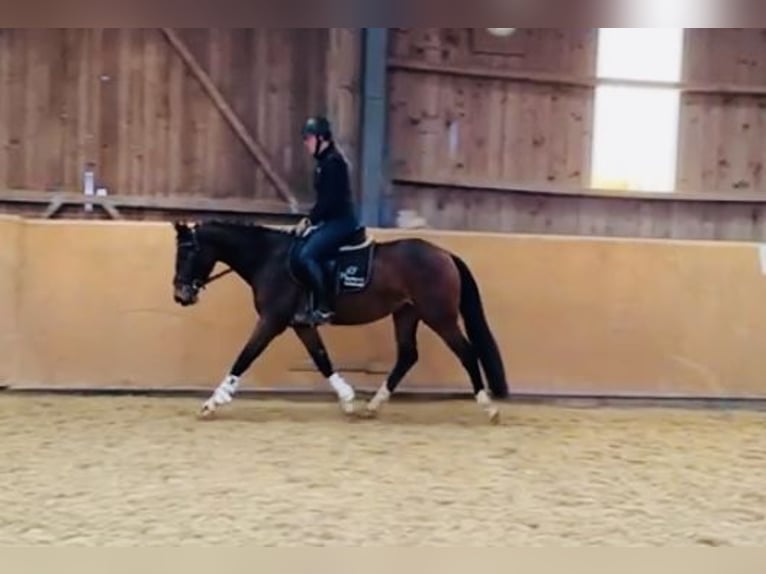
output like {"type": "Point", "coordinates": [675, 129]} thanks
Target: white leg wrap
{"type": "Point", "coordinates": [487, 405]}
{"type": "Point", "coordinates": [344, 391]}
{"type": "Point", "coordinates": [483, 399]}
{"type": "Point", "coordinates": [380, 397]}
{"type": "Point", "coordinates": [225, 392]}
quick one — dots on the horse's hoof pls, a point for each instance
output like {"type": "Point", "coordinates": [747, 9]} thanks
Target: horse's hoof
{"type": "Point", "coordinates": [347, 407]}
{"type": "Point", "coordinates": [371, 413]}
{"type": "Point", "coordinates": [206, 412]}
{"type": "Point", "coordinates": [494, 416]}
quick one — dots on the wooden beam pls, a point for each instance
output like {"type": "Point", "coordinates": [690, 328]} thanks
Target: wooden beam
{"type": "Point", "coordinates": [112, 202]}
{"type": "Point", "coordinates": [406, 65]}
{"type": "Point", "coordinates": [111, 210]}
{"type": "Point", "coordinates": [252, 144]}
{"type": "Point", "coordinates": [238, 205]}
{"type": "Point", "coordinates": [374, 117]}
{"type": "Point", "coordinates": [511, 187]}
{"type": "Point", "coordinates": [53, 208]}
{"type": "Point", "coordinates": [56, 201]}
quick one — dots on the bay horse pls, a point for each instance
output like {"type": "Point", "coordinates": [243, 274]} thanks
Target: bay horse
{"type": "Point", "coordinates": [411, 279]}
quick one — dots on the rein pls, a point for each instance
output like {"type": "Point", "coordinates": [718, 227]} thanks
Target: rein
{"type": "Point", "coordinates": [215, 277]}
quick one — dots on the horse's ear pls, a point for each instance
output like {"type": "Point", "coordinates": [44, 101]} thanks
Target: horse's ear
{"type": "Point", "coordinates": [180, 227]}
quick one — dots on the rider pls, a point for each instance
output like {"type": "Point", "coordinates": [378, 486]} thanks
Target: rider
{"type": "Point", "coordinates": [333, 219]}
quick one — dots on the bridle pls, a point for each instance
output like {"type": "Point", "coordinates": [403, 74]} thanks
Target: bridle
{"type": "Point", "coordinates": [197, 284]}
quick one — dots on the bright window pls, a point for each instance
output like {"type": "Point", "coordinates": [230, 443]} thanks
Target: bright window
{"type": "Point", "coordinates": [640, 53]}
{"type": "Point", "coordinates": [635, 136]}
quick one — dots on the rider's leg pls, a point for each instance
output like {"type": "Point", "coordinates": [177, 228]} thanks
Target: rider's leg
{"type": "Point", "coordinates": [314, 273]}
{"type": "Point", "coordinates": [321, 245]}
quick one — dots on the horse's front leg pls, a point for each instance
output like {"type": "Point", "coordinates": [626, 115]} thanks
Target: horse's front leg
{"type": "Point", "coordinates": [265, 331]}
{"type": "Point", "coordinates": [313, 343]}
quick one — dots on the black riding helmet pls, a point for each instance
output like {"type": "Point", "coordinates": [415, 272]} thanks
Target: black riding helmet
{"type": "Point", "coordinates": [318, 126]}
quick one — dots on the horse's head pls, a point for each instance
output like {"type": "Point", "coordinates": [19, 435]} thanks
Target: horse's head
{"type": "Point", "coordinates": [194, 262]}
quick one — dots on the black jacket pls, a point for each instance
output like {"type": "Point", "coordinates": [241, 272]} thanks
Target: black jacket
{"type": "Point", "coordinates": [333, 187]}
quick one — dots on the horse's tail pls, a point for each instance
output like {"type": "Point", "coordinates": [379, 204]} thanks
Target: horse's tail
{"type": "Point", "coordinates": [478, 331]}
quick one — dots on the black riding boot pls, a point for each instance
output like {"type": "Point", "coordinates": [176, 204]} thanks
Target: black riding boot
{"type": "Point", "coordinates": [322, 312]}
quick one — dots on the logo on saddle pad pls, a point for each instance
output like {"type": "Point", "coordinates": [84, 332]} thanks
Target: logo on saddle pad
{"type": "Point", "coordinates": [352, 277]}
{"type": "Point", "coordinates": [351, 269]}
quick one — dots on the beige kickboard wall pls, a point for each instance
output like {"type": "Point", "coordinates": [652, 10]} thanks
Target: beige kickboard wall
{"type": "Point", "coordinates": [94, 308]}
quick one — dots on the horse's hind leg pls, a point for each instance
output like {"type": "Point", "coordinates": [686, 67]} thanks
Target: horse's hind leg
{"type": "Point", "coordinates": [450, 333]}
{"type": "Point", "coordinates": [406, 322]}
{"type": "Point", "coordinates": [311, 339]}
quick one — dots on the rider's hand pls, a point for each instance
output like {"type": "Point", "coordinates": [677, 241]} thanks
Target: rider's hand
{"type": "Point", "coordinates": [302, 227]}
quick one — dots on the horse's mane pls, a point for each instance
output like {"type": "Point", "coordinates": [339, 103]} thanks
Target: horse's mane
{"type": "Point", "coordinates": [247, 227]}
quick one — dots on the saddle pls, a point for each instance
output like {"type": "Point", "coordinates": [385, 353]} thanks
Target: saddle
{"type": "Point", "coordinates": [348, 271]}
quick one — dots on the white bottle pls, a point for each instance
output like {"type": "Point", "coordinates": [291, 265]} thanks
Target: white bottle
{"type": "Point", "coordinates": [89, 184]}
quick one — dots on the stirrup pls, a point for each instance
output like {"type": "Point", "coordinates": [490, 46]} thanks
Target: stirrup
{"type": "Point", "coordinates": [320, 316]}
{"type": "Point", "coordinates": [302, 318]}
{"type": "Point", "coordinates": [312, 317]}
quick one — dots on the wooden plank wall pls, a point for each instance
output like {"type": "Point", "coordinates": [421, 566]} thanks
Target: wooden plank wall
{"type": "Point", "coordinates": [123, 100]}
{"type": "Point", "coordinates": [723, 136]}
{"type": "Point", "coordinates": [516, 138]}
{"type": "Point", "coordinates": [474, 208]}
{"type": "Point", "coordinates": [458, 128]}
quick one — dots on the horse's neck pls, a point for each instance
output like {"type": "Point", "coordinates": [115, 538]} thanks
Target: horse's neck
{"type": "Point", "coordinates": [246, 255]}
